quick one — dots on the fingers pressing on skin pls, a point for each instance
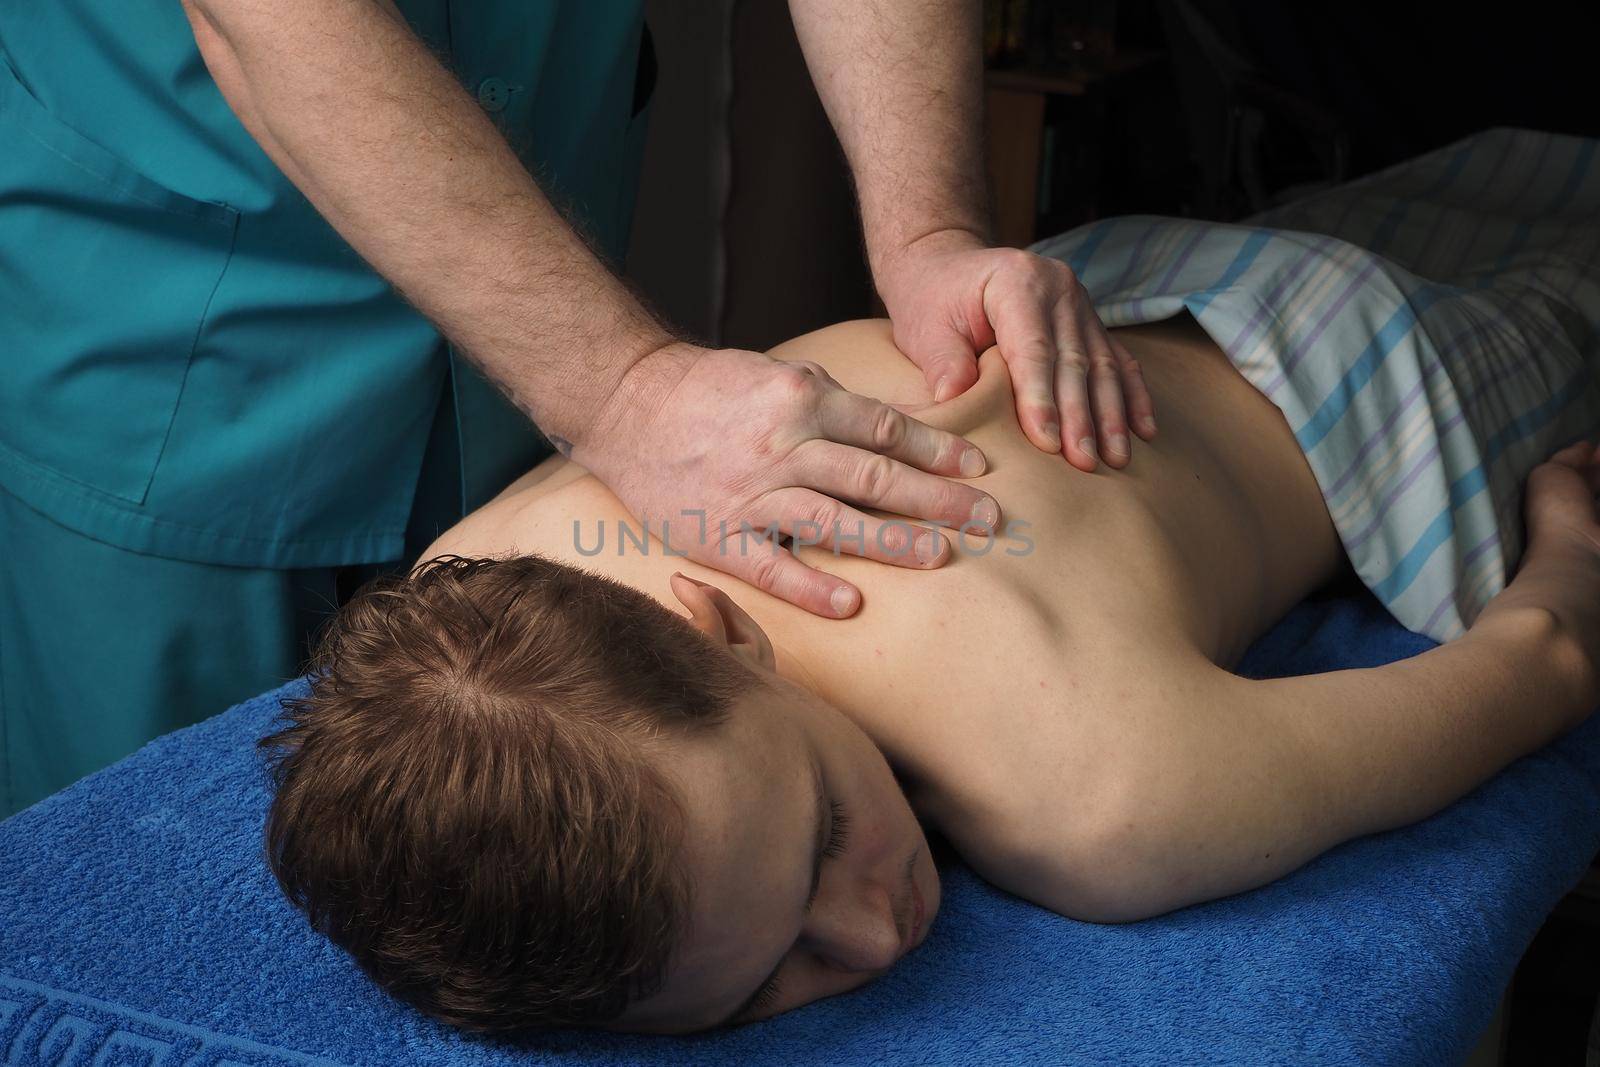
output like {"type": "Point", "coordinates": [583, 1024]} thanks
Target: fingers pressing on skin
{"type": "Point", "coordinates": [950, 367]}
{"type": "Point", "coordinates": [1141, 409]}
{"type": "Point", "coordinates": [810, 518]}
{"type": "Point", "coordinates": [1108, 404]}
{"type": "Point", "coordinates": [1078, 390]}
{"type": "Point", "coordinates": [1104, 432]}
{"type": "Point", "coordinates": [1076, 433]}
{"type": "Point", "coordinates": [1028, 345]}
{"type": "Point", "coordinates": [850, 419]}
{"type": "Point", "coordinates": [775, 570]}
{"type": "Point", "coordinates": [876, 481]}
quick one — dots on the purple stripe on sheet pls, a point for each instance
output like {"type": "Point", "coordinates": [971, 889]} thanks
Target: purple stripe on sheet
{"type": "Point", "coordinates": [1431, 365]}
{"type": "Point", "coordinates": [1263, 307]}
{"type": "Point", "coordinates": [1299, 351]}
{"type": "Point", "coordinates": [1378, 437]}
{"type": "Point", "coordinates": [1411, 476]}
{"type": "Point", "coordinates": [1164, 286]}
{"type": "Point", "coordinates": [1449, 424]}
{"type": "Point", "coordinates": [1467, 561]}
{"type": "Point", "coordinates": [1504, 371]}
{"type": "Point", "coordinates": [1133, 259]}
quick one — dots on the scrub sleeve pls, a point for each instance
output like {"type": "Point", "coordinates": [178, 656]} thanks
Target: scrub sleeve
{"type": "Point", "coordinates": [216, 421]}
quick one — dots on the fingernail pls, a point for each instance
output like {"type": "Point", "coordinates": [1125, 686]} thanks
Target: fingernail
{"type": "Point", "coordinates": [927, 546]}
{"type": "Point", "coordinates": [843, 600]}
{"type": "Point", "coordinates": [985, 513]}
{"type": "Point", "coordinates": [1052, 430]}
{"type": "Point", "coordinates": [1086, 446]}
{"type": "Point", "coordinates": [942, 390]}
{"type": "Point", "coordinates": [972, 463]}
{"type": "Point", "coordinates": [1118, 445]}
{"type": "Point", "coordinates": [1147, 424]}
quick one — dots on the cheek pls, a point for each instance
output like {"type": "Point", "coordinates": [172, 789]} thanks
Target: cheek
{"type": "Point", "coordinates": [814, 979]}
{"type": "Point", "coordinates": [881, 820]}
{"type": "Point", "coordinates": [889, 827]}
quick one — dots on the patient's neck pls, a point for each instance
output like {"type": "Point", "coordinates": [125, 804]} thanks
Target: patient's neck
{"type": "Point", "coordinates": [791, 667]}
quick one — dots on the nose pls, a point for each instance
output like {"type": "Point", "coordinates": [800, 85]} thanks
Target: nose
{"type": "Point", "coordinates": [856, 931]}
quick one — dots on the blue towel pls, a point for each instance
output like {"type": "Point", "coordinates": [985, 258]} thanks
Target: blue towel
{"type": "Point", "coordinates": [139, 923]}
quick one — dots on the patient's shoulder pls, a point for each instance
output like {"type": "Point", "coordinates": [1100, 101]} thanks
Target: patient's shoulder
{"type": "Point", "coordinates": [862, 357]}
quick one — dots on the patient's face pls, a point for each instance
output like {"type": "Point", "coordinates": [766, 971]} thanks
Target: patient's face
{"type": "Point", "coordinates": [757, 829]}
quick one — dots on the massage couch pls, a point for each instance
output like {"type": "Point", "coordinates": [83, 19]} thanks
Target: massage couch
{"type": "Point", "coordinates": [139, 924]}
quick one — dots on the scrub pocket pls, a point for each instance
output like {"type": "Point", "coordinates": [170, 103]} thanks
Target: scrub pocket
{"type": "Point", "coordinates": [105, 279]}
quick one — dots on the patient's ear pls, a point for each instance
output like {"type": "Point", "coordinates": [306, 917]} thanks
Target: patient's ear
{"type": "Point", "coordinates": [713, 613]}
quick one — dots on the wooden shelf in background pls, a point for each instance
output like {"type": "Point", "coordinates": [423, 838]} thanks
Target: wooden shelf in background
{"type": "Point", "coordinates": [1014, 109]}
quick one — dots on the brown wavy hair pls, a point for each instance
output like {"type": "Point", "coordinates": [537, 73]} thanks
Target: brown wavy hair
{"type": "Point", "coordinates": [466, 800]}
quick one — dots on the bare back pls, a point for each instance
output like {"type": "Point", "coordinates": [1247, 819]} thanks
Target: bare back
{"type": "Point", "coordinates": [1014, 651]}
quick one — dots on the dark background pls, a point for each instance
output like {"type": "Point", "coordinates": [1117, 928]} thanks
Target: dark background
{"type": "Point", "coordinates": [745, 232]}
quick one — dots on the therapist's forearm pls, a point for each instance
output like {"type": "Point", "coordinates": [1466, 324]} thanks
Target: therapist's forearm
{"type": "Point", "coordinates": [902, 81]}
{"type": "Point", "coordinates": [386, 144]}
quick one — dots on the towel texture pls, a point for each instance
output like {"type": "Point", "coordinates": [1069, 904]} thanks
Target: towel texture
{"type": "Point", "coordinates": [140, 925]}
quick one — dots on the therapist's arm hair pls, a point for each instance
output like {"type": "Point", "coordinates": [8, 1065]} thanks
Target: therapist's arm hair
{"type": "Point", "coordinates": [902, 81]}
{"type": "Point", "coordinates": [389, 147]}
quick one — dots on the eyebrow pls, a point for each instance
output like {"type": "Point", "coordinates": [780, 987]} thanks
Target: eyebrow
{"type": "Point", "coordinates": [819, 842]}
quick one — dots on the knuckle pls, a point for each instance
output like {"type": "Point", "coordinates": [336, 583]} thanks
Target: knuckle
{"type": "Point", "coordinates": [1074, 361]}
{"type": "Point", "coordinates": [796, 385]}
{"type": "Point", "coordinates": [830, 521]}
{"type": "Point", "coordinates": [820, 509]}
{"type": "Point", "coordinates": [1037, 353]}
{"type": "Point", "coordinates": [888, 429]}
{"type": "Point", "coordinates": [894, 539]}
{"type": "Point", "coordinates": [765, 570]}
{"type": "Point", "coordinates": [1019, 259]}
{"type": "Point", "coordinates": [873, 477]}
{"type": "Point", "coordinates": [1043, 286]}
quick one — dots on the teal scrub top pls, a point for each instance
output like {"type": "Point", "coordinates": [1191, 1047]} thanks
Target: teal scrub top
{"type": "Point", "coordinates": [195, 364]}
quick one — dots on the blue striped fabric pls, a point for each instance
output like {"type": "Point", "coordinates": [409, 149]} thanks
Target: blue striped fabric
{"type": "Point", "coordinates": [1431, 332]}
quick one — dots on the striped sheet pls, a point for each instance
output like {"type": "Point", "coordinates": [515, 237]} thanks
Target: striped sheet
{"type": "Point", "coordinates": [1431, 332]}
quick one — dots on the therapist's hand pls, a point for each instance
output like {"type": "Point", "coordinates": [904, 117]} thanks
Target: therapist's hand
{"type": "Point", "coordinates": [718, 443]}
{"type": "Point", "coordinates": [1078, 390]}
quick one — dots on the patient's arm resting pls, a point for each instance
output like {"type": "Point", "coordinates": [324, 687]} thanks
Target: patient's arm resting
{"type": "Point", "coordinates": [1228, 783]}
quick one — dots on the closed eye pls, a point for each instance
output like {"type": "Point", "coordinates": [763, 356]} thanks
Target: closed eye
{"type": "Point", "coordinates": [838, 830]}
{"type": "Point", "coordinates": [838, 834]}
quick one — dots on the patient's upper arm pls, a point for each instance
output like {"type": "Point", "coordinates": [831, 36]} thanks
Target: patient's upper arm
{"type": "Point", "coordinates": [1180, 791]}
